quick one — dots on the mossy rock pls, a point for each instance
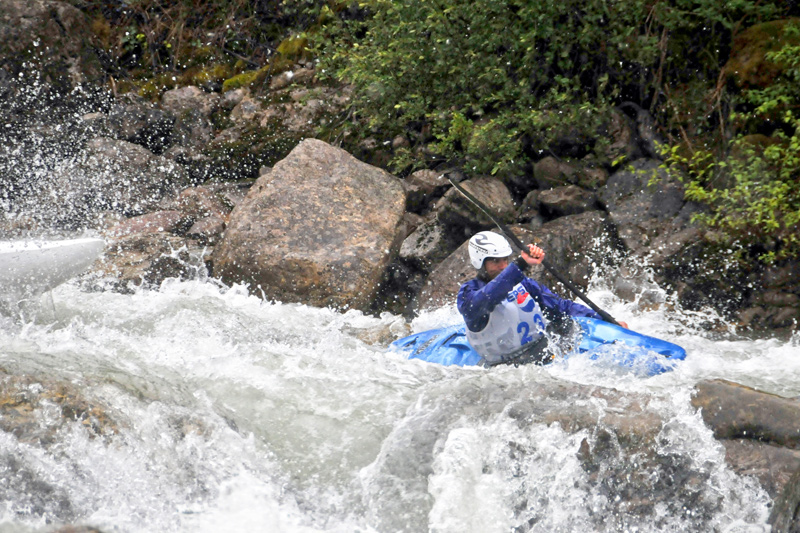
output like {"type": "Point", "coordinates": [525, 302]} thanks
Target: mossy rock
{"type": "Point", "coordinates": [248, 78]}
{"type": "Point", "coordinates": [210, 74]}
{"type": "Point", "coordinates": [257, 78]}
{"type": "Point", "coordinates": [155, 87]}
{"type": "Point", "coordinates": [748, 65]}
{"type": "Point", "coordinates": [255, 147]}
{"type": "Point", "coordinates": [294, 48]}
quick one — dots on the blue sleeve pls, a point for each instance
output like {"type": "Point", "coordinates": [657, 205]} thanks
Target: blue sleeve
{"type": "Point", "coordinates": [560, 305]}
{"type": "Point", "coordinates": [476, 298]}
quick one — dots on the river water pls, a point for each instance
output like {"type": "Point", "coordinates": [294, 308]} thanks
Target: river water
{"type": "Point", "coordinates": [231, 413]}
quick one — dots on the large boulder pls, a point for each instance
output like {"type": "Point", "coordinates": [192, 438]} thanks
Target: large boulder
{"type": "Point", "coordinates": [644, 203]}
{"type": "Point", "coordinates": [320, 228]}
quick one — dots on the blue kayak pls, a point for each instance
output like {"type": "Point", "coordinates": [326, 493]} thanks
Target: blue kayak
{"type": "Point", "coordinates": [600, 340]}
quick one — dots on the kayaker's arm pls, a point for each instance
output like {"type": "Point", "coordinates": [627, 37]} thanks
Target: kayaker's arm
{"type": "Point", "coordinates": [535, 256]}
{"type": "Point", "coordinates": [476, 299]}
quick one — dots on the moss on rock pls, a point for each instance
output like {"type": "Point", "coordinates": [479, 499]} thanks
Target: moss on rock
{"type": "Point", "coordinates": [748, 65]}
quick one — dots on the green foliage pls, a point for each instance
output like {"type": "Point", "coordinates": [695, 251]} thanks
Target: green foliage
{"type": "Point", "coordinates": [497, 81]}
{"type": "Point", "coordinates": [754, 192]}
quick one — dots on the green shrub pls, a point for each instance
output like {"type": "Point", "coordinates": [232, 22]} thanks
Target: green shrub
{"type": "Point", "coordinates": [494, 82]}
{"type": "Point", "coordinates": [753, 189]}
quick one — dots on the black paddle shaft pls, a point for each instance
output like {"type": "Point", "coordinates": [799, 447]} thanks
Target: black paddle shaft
{"type": "Point", "coordinates": [513, 238]}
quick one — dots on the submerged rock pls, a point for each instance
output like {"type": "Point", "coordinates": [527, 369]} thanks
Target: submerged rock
{"type": "Point", "coordinates": [613, 447]}
{"type": "Point", "coordinates": [761, 435]}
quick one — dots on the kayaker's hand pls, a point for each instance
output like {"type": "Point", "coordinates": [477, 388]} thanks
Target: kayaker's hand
{"type": "Point", "coordinates": [623, 324]}
{"type": "Point", "coordinates": [534, 255]}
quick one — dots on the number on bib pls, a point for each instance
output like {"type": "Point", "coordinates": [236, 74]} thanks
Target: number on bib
{"type": "Point", "coordinates": [524, 329]}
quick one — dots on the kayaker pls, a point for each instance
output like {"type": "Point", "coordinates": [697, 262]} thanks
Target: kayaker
{"type": "Point", "coordinates": [505, 311]}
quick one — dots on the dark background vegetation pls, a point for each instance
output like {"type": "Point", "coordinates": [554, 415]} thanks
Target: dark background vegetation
{"type": "Point", "coordinates": [492, 86]}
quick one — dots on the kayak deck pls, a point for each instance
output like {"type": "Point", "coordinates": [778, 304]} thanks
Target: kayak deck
{"type": "Point", "coordinates": [449, 346]}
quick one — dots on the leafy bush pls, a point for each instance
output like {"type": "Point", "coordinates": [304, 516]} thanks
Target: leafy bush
{"type": "Point", "coordinates": [753, 190]}
{"type": "Point", "coordinates": [495, 82]}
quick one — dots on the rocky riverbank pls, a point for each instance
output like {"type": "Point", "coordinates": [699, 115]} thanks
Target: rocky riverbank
{"type": "Point", "coordinates": [164, 180]}
{"type": "Point", "coordinates": [232, 185]}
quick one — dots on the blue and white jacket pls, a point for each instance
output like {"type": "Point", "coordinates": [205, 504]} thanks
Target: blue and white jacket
{"type": "Point", "coordinates": [510, 311]}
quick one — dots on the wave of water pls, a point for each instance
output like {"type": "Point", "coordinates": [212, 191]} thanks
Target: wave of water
{"type": "Point", "coordinates": [231, 413]}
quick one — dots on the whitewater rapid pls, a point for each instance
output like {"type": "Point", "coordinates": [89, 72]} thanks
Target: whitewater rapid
{"type": "Point", "coordinates": [236, 414]}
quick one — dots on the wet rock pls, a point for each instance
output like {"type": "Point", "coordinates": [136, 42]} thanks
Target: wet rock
{"type": "Point", "coordinates": [784, 516]}
{"type": "Point", "coordinates": [54, 36]}
{"type": "Point", "coordinates": [23, 400]}
{"type": "Point", "coordinates": [196, 203]}
{"type": "Point", "coordinates": [137, 121]}
{"type": "Point", "coordinates": [773, 466]}
{"type": "Point", "coordinates": [460, 216]}
{"type": "Point", "coordinates": [159, 221]}
{"type": "Point", "coordinates": [36, 411]}
{"type": "Point", "coordinates": [147, 259]}
{"type": "Point", "coordinates": [207, 230]}
{"type": "Point", "coordinates": [574, 245]}
{"type": "Point", "coordinates": [761, 435]}
{"type": "Point", "coordinates": [736, 411]}
{"type": "Point", "coordinates": [563, 201]}
{"type": "Point", "coordinates": [320, 228]}
{"type": "Point", "coordinates": [423, 187]}
{"type": "Point", "coordinates": [642, 211]}
{"type": "Point", "coordinates": [528, 213]}
{"type": "Point", "coordinates": [426, 246]}
{"type": "Point", "coordinates": [633, 283]}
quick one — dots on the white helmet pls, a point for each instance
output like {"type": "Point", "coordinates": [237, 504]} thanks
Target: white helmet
{"type": "Point", "coordinates": [487, 244]}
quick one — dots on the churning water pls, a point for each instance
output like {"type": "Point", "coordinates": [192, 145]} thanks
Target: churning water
{"type": "Point", "coordinates": [223, 412]}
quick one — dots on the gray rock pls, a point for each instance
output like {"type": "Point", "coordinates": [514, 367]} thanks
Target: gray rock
{"type": "Point", "coordinates": [54, 36]}
{"type": "Point", "coordinates": [425, 246]}
{"type": "Point", "coordinates": [761, 434]}
{"type": "Point", "coordinates": [563, 201]}
{"type": "Point", "coordinates": [321, 228]}
{"type": "Point", "coordinates": [551, 172]}
{"type": "Point", "coordinates": [574, 245]}
{"type": "Point", "coordinates": [642, 211]}
{"type": "Point", "coordinates": [137, 121]}
{"type": "Point", "coordinates": [422, 188]}
{"type": "Point", "coordinates": [457, 214]}
{"type": "Point", "coordinates": [736, 411]}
